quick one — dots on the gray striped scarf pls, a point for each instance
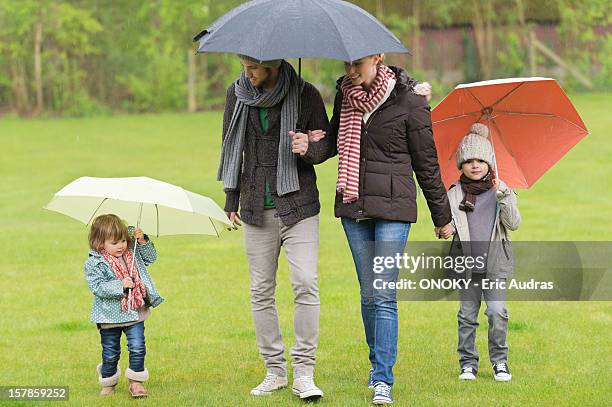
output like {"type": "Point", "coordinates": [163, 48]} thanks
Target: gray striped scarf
{"type": "Point", "coordinates": [287, 91]}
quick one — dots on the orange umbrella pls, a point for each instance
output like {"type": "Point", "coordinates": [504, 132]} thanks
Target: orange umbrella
{"type": "Point", "coordinates": [532, 124]}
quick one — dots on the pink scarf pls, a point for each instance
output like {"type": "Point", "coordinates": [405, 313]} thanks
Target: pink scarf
{"type": "Point", "coordinates": [355, 102]}
{"type": "Point", "coordinates": [139, 291]}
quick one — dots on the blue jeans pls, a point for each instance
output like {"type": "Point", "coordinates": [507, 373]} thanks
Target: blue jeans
{"type": "Point", "coordinates": [111, 348]}
{"type": "Point", "coordinates": [378, 306]}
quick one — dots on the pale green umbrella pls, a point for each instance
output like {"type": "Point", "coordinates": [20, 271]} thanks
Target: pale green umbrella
{"type": "Point", "coordinates": [155, 206]}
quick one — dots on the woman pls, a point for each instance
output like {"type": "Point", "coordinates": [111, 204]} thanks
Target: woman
{"type": "Point", "coordinates": [381, 127]}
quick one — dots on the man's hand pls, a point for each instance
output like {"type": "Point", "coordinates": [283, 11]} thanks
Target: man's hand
{"type": "Point", "coordinates": [299, 144]}
{"type": "Point", "coordinates": [234, 217]}
{"type": "Point", "coordinates": [444, 232]}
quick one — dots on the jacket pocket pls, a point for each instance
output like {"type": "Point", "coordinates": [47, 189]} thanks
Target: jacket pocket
{"type": "Point", "coordinates": [377, 184]}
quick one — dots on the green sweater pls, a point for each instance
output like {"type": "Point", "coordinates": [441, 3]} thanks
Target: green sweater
{"type": "Point", "coordinates": [263, 118]}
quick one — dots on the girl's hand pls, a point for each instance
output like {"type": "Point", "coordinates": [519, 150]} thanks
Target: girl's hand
{"type": "Point", "coordinates": [128, 282]}
{"type": "Point", "coordinates": [139, 235]}
{"type": "Point", "coordinates": [496, 183]}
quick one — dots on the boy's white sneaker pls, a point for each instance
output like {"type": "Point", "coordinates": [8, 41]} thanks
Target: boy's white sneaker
{"type": "Point", "coordinates": [270, 383]}
{"type": "Point", "coordinates": [305, 388]}
{"type": "Point", "coordinates": [501, 372]}
{"type": "Point", "coordinates": [382, 394]}
{"type": "Point", "coordinates": [467, 373]}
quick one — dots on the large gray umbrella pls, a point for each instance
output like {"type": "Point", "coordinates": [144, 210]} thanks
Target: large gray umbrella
{"type": "Point", "coordinates": [279, 29]}
{"type": "Point", "coordinates": [276, 29]}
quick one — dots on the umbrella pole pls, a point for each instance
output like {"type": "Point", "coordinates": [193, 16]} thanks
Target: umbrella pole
{"type": "Point", "coordinates": [299, 106]}
{"type": "Point", "coordinates": [131, 271]}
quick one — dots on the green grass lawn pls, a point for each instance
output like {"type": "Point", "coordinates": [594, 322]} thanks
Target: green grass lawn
{"type": "Point", "coordinates": [201, 340]}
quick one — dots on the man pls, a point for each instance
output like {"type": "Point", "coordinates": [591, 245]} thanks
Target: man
{"type": "Point", "coordinates": [267, 170]}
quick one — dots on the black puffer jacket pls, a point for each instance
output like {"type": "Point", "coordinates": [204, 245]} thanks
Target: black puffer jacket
{"type": "Point", "coordinates": [396, 140]}
{"type": "Point", "coordinates": [261, 158]}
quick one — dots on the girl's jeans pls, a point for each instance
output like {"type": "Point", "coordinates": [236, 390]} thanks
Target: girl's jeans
{"type": "Point", "coordinates": [111, 348]}
{"type": "Point", "coordinates": [367, 239]}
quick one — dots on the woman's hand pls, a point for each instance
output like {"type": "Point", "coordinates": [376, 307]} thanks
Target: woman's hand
{"type": "Point", "coordinates": [315, 135]}
{"type": "Point", "coordinates": [139, 235]}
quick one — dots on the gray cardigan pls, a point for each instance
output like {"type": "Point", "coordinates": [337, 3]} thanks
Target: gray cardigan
{"type": "Point", "coordinates": [261, 158]}
{"type": "Point", "coordinates": [500, 259]}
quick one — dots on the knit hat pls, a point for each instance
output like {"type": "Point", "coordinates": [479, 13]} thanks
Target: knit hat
{"type": "Point", "coordinates": [274, 63]}
{"type": "Point", "coordinates": [476, 145]}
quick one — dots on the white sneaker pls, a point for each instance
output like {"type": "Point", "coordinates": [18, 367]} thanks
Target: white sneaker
{"type": "Point", "coordinates": [270, 383]}
{"type": "Point", "coordinates": [501, 372]}
{"type": "Point", "coordinates": [467, 373]}
{"type": "Point", "coordinates": [305, 388]}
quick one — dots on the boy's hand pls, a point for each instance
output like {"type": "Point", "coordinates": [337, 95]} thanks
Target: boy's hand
{"type": "Point", "coordinates": [128, 282]}
{"type": "Point", "coordinates": [139, 235]}
{"type": "Point", "coordinates": [496, 183]}
{"type": "Point", "coordinates": [444, 232]}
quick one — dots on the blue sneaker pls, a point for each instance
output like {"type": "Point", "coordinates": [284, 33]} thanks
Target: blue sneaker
{"type": "Point", "coordinates": [371, 379]}
{"type": "Point", "coordinates": [382, 393]}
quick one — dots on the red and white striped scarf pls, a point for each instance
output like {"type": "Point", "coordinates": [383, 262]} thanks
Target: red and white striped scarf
{"type": "Point", "coordinates": [355, 102]}
{"type": "Point", "coordinates": [139, 291]}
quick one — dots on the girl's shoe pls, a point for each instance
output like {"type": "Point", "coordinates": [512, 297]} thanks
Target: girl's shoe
{"type": "Point", "coordinates": [467, 373]}
{"type": "Point", "coordinates": [108, 383]}
{"type": "Point", "coordinates": [107, 391]}
{"type": "Point", "coordinates": [137, 390]}
{"type": "Point", "coordinates": [501, 372]}
{"type": "Point", "coordinates": [382, 393]}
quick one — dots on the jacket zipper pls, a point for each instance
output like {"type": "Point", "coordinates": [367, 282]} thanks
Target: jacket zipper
{"type": "Point", "coordinates": [363, 159]}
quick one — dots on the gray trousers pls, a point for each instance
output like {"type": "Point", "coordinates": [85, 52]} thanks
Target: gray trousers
{"type": "Point", "coordinates": [468, 323]}
{"type": "Point", "coordinates": [301, 244]}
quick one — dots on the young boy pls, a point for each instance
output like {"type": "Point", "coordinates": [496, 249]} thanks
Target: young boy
{"type": "Point", "coordinates": [484, 209]}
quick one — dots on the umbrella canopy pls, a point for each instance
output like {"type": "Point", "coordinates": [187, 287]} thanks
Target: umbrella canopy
{"type": "Point", "coordinates": [157, 207]}
{"type": "Point", "coordinates": [532, 124]}
{"type": "Point", "coordinates": [273, 29]}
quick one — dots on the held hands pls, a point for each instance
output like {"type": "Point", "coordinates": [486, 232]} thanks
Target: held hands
{"type": "Point", "coordinates": [299, 144]}
{"type": "Point", "coordinates": [444, 232]}
{"type": "Point", "coordinates": [139, 235]}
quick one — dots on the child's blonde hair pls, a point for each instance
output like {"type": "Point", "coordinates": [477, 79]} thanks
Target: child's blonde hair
{"type": "Point", "coordinates": [107, 227]}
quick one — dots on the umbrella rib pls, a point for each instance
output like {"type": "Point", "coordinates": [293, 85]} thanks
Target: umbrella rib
{"type": "Point", "coordinates": [335, 28]}
{"type": "Point", "coordinates": [93, 214]}
{"type": "Point", "coordinates": [508, 94]}
{"type": "Point", "coordinates": [456, 117]}
{"type": "Point", "coordinates": [157, 214]}
{"type": "Point", "coordinates": [213, 225]}
{"type": "Point", "coordinates": [525, 113]}
{"type": "Point", "coordinates": [507, 149]}
{"type": "Point", "coordinates": [475, 98]}
{"type": "Point", "coordinates": [551, 115]}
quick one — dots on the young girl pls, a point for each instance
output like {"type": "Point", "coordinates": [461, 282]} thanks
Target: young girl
{"type": "Point", "coordinates": [484, 209]}
{"type": "Point", "coordinates": [121, 303]}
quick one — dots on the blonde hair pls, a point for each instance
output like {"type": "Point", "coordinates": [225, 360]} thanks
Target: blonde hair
{"type": "Point", "coordinates": [107, 227]}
